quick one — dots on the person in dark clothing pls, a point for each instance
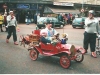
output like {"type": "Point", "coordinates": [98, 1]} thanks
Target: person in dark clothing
{"type": "Point", "coordinates": [91, 29]}
{"type": "Point", "coordinates": [68, 18]}
{"type": "Point", "coordinates": [35, 19]}
{"type": "Point", "coordinates": [28, 17]}
{"type": "Point", "coordinates": [60, 17]}
{"type": "Point", "coordinates": [12, 23]}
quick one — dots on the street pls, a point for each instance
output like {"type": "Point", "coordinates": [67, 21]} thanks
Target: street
{"type": "Point", "coordinates": [15, 59]}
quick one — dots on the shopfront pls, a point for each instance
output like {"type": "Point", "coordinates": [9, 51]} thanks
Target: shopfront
{"type": "Point", "coordinates": [21, 10]}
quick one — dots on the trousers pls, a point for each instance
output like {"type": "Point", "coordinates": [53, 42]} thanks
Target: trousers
{"type": "Point", "coordinates": [1, 27]}
{"type": "Point", "coordinates": [89, 38]}
{"type": "Point", "coordinates": [12, 29]}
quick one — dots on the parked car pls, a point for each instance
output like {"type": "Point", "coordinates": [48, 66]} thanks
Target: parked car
{"type": "Point", "coordinates": [79, 22]}
{"type": "Point", "coordinates": [55, 23]}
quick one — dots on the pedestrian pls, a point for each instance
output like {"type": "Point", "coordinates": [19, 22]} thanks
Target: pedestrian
{"type": "Point", "coordinates": [60, 17]}
{"type": "Point", "coordinates": [91, 30]}
{"type": "Point", "coordinates": [38, 17]}
{"type": "Point", "coordinates": [1, 22]}
{"type": "Point", "coordinates": [12, 23]}
{"type": "Point", "coordinates": [71, 19]}
{"type": "Point", "coordinates": [68, 17]}
{"type": "Point", "coordinates": [35, 18]}
{"type": "Point", "coordinates": [5, 20]}
{"type": "Point", "coordinates": [28, 18]}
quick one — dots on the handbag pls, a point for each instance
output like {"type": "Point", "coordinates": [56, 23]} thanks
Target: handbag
{"type": "Point", "coordinates": [25, 20]}
{"type": "Point", "coordinates": [18, 29]}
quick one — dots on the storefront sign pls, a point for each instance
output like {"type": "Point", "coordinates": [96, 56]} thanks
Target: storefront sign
{"type": "Point", "coordinates": [63, 3]}
{"type": "Point", "coordinates": [23, 6]}
{"type": "Point", "coordinates": [36, 6]}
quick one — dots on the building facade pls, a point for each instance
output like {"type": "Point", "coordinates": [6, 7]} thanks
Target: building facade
{"type": "Point", "coordinates": [21, 7]}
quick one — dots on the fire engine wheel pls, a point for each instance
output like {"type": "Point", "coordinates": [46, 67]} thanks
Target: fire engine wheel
{"type": "Point", "coordinates": [79, 57]}
{"type": "Point", "coordinates": [65, 61]}
{"type": "Point", "coordinates": [34, 54]}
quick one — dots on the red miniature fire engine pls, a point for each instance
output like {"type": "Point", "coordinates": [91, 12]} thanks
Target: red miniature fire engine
{"type": "Point", "coordinates": [66, 52]}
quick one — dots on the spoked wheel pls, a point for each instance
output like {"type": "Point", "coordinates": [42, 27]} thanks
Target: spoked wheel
{"type": "Point", "coordinates": [34, 54]}
{"type": "Point", "coordinates": [65, 61]}
{"type": "Point", "coordinates": [79, 57]}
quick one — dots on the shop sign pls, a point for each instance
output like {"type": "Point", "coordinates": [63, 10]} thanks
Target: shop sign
{"type": "Point", "coordinates": [63, 3]}
{"type": "Point", "coordinates": [36, 6]}
{"type": "Point", "coordinates": [23, 6]}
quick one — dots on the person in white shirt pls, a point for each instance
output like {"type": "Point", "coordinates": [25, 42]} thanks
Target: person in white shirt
{"type": "Point", "coordinates": [49, 30]}
{"type": "Point", "coordinates": [11, 24]}
{"type": "Point", "coordinates": [38, 17]}
{"type": "Point", "coordinates": [91, 29]}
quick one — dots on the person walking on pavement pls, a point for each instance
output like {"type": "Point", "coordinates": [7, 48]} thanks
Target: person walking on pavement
{"type": "Point", "coordinates": [35, 18]}
{"type": "Point", "coordinates": [12, 23]}
{"type": "Point", "coordinates": [91, 29]}
{"type": "Point", "coordinates": [68, 17]}
{"type": "Point", "coordinates": [1, 22]}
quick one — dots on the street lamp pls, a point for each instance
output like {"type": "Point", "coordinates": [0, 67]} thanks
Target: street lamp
{"type": "Point", "coordinates": [9, 5]}
{"type": "Point", "coordinates": [82, 4]}
{"type": "Point", "coordinates": [37, 9]}
{"type": "Point", "coordinates": [82, 10]}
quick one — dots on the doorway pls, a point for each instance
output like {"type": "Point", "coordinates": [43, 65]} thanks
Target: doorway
{"type": "Point", "coordinates": [21, 15]}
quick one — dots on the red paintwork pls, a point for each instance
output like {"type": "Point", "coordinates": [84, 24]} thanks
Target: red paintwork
{"type": "Point", "coordinates": [49, 49]}
{"type": "Point", "coordinates": [66, 52]}
{"type": "Point", "coordinates": [36, 32]}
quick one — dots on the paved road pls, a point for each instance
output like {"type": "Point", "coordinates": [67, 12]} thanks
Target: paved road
{"type": "Point", "coordinates": [16, 60]}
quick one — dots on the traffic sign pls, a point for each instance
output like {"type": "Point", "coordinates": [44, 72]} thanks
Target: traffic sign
{"type": "Point", "coordinates": [82, 10]}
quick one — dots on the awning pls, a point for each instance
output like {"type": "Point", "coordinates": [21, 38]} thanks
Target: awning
{"type": "Point", "coordinates": [58, 10]}
{"type": "Point", "coordinates": [47, 10]}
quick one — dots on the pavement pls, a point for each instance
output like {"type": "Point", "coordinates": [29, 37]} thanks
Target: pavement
{"type": "Point", "coordinates": [15, 59]}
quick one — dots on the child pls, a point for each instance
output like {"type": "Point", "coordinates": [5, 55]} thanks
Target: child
{"type": "Point", "coordinates": [43, 38]}
{"type": "Point", "coordinates": [64, 39]}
